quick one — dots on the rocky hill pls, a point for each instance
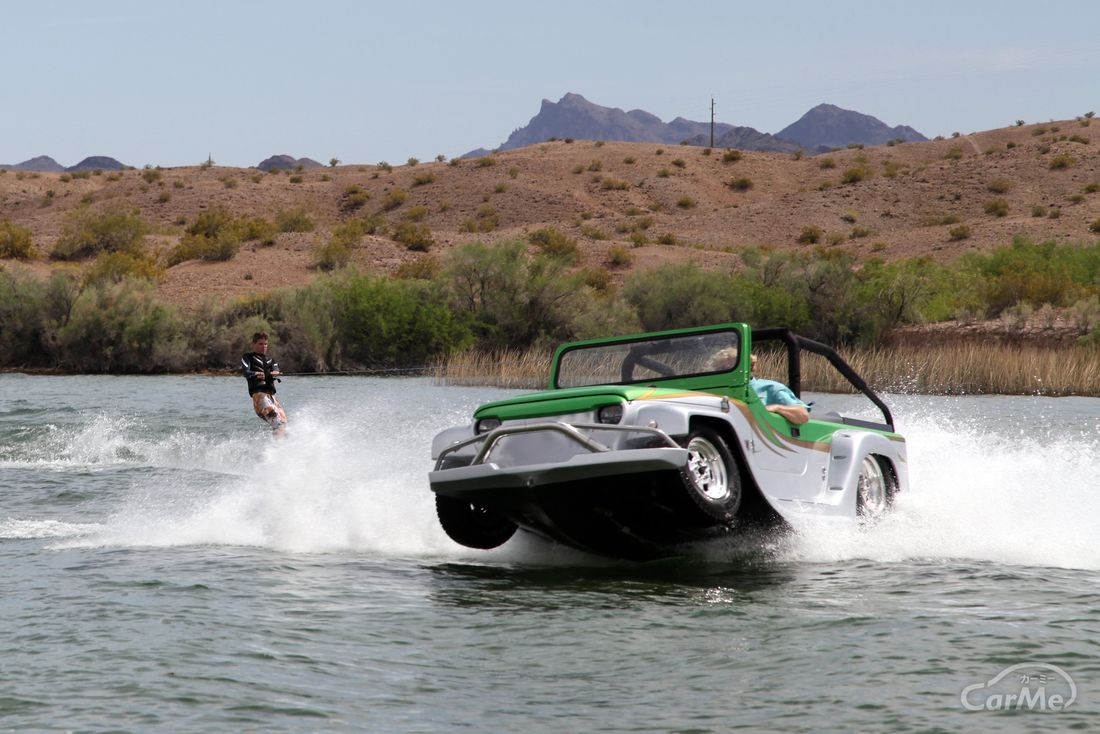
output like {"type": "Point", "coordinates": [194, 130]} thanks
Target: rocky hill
{"type": "Point", "coordinates": [628, 205]}
{"type": "Point", "coordinates": [824, 127]}
{"type": "Point", "coordinates": [828, 126]}
{"type": "Point", "coordinates": [573, 116]}
{"type": "Point", "coordinates": [46, 164]}
{"type": "Point", "coordinates": [286, 163]}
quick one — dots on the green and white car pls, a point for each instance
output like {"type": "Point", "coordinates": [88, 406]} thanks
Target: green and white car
{"type": "Point", "coordinates": [647, 445]}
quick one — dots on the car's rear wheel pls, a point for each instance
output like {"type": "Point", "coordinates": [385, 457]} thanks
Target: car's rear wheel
{"type": "Point", "coordinates": [874, 489]}
{"type": "Point", "coordinates": [711, 478]}
{"type": "Point", "coordinates": [472, 525]}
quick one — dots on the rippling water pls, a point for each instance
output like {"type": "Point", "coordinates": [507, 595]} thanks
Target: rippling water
{"type": "Point", "coordinates": [170, 566]}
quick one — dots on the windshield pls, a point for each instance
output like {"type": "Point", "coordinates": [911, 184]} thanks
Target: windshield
{"type": "Point", "coordinates": [648, 360]}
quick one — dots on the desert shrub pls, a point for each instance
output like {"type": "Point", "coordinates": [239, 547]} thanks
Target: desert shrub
{"type": "Point", "coordinates": [354, 198]}
{"type": "Point", "coordinates": [996, 207]}
{"type": "Point", "coordinates": [637, 239]}
{"type": "Point", "coordinates": [513, 172]}
{"type": "Point", "coordinates": [593, 232]}
{"type": "Point", "coordinates": [686, 202]}
{"type": "Point", "coordinates": [211, 222]}
{"type": "Point", "coordinates": [415, 213]}
{"type": "Point", "coordinates": [619, 256]}
{"type": "Point", "coordinates": [954, 153]}
{"type": "Point", "coordinates": [485, 162]}
{"type": "Point", "coordinates": [598, 279]}
{"type": "Point", "coordinates": [1038, 210]}
{"type": "Point", "coordinates": [1061, 161]}
{"type": "Point", "coordinates": [890, 169]}
{"type": "Point", "coordinates": [423, 178]}
{"type": "Point", "coordinates": [223, 246]}
{"type": "Point", "coordinates": [667, 239]}
{"type": "Point", "coordinates": [413, 161]}
{"type": "Point", "coordinates": [732, 156]}
{"type": "Point", "coordinates": [114, 267]}
{"type": "Point", "coordinates": [679, 162]}
{"type": "Point", "coordinates": [415, 237]}
{"type": "Point", "coordinates": [382, 165]}
{"type": "Point", "coordinates": [487, 219]}
{"type": "Point", "coordinates": [1076, 198]}
{"type": "Point", "coordinates": [294, 220]}
{"type": "Point", "coordinates": [810, 235]}
{"type": "Point", "coordinates": [630, 160]}
{"type": "Point", "coordinates": [500, 188]}
{"type": "Point", "coordinates": [1094, 226]}
{"type": "Point", "coordinates": [999, 186]}
{"type": "Point", "coordinates": [256, 228]}
{"type": "Point", "coordinates": [1055, 212]}
{"type": "Point", "coordinates": [1035, 274]}
{"type": "Point", "coordinates": [150, 175]}
{"type": "Point", "coordinates": [296, 179]}
{"type": "Point", "coordinates": [164, 197]}
{"type": "Point", "coordinates": [331, 255]}
{"type": "Point", "coordinates": [855, 174]}
{"type": "Point", "coordinates": [614, 184]}
{"type": "Point", "coordinates": [741, 184]}
{"type": "Point", "coordinates": [577, 169]}
{"type": "Point", "coordinates": [960, 232]}
{"type": "Point", "coordinates": [15, 241]}
{"type": "Point", "coordinates": [663, 173]}
{"type": "Point", "coordinates": [425, 267]}
{"type": "Point", "coordinates": [393, 199]}
{"type": "Point", "coordinates": [826, 163]}
{"type": "Point", "coordinates": [116, 229]}
{"type": "Point", "coordinates": [511, 297]}
{"type": "Point", "coordinates": [555, 243]}
{"type": "Point", "coordinates": [595, 166]}
{"type": "Point", "coordinates": [859, 232]}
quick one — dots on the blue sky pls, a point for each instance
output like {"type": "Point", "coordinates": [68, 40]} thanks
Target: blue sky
{"type": "Point", "coordinates": [169, 83]}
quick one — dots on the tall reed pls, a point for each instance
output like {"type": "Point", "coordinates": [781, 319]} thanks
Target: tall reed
{"type": "Point", "coordinates": [948, 369]}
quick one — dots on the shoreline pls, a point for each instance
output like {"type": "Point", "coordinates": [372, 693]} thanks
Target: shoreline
{"type": "Point", "coordinates": [962, 368]}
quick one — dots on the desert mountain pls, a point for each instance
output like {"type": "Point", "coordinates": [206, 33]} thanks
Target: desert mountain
{"type": "Point", "coordinates": [46, 164]}
{"type": "Point", "coordinates": [102, 162]}
{"type": "Point", "coordinates": [828, 126]}
{"type": "Point", "coordinates": [41, 163]}
{"type": "Point", "coordinates": [573, 116]}
{"type": "Point", "coordinates": [286, 163]}
{"type": "Point", "coordinates": [824, 127]}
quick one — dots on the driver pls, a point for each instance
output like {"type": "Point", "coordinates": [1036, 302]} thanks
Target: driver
{"type": "Point", "coordinates": [779, 399]}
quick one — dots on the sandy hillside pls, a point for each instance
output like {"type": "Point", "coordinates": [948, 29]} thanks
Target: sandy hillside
{"type": "Point", "coordinates": [899, 201]}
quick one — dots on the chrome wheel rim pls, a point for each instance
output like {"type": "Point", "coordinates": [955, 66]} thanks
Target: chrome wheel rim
{"type": "Point", "coordinates": [872, 488]}
{"type": "Point", "coordinates": [707, 470]}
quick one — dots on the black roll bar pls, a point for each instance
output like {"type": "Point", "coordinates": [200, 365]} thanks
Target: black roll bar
{"type": "Point", "coordinates": [796, 343]}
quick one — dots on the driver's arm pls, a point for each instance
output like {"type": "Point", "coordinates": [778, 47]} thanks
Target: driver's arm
{"type": "Point", "coordinates": [795, 414]}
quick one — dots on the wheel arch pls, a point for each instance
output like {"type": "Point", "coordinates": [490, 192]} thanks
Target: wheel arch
{"type": "Point", "coordinates": [753, 505]}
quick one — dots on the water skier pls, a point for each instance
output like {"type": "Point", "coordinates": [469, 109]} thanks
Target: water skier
{"type": "Point", "coordinates": [262, 373]}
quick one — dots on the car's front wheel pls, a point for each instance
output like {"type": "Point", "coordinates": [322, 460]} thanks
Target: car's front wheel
{"type": "Point", "coordinates": [874, 489]}
{"type": "Point", "coordinates": [472, 525]}
{"type": "Point", "coordinates": [711, 479]}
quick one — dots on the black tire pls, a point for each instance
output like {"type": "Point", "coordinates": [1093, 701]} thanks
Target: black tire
{"type": "Point", "coordinates": [875, 487]}
{"type": "Point", "coordinates": [471, 525]}
{"type": "Point", "coordinates": [712, 479]}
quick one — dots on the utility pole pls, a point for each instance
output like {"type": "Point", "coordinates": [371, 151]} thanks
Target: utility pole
{"type": "Point", "coordinates": [712, 122]}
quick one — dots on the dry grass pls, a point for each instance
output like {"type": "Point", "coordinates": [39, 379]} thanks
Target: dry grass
{"type": "Point", "coordinates": [953, 369]}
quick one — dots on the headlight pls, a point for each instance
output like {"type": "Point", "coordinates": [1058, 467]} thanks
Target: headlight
{"type": "Point", "coordinates": [610, 413]}
{"type": "Point", "coordinates": [486, 424]}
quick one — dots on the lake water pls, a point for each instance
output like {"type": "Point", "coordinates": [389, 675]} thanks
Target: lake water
{"type": "Point", "coordinates": [169, 566]}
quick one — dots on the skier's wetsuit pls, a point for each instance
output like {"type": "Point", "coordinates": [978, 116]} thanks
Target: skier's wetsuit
{"type": "Point", "coordinates": [262, 390]}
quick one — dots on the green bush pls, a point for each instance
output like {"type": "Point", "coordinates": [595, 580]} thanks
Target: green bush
{"type": "Point", "coordinates": [423, 179]}
{"type": "Point", "coordinates": [85, 233]}
{"type": "Point", "coordinates": [686, 202]}
{"type": "Point", "coordinates": [999, 186]}
{"type": "Point", "coordinates": [741, 184]}
{"type": "Point", "coordinates": [115, 267]}
{"type": "Point", "coordinates": [731, 156]}
{"type": "Point", "coordinates": [512, 298]}
{"type": "Point", "coordinates": [415, 213]}
{"type": "Point", "coordinates": [353, 198]}
{"type": "Point", "coordinates": [826, 163]}
{"type": "Point", "coordinates": [121, 327]}
{"type": "Point", "coordinates": [555, 244]}
{"type": "Point", "coordinates": [1061, 161]}
{"type": "Point", "coordinates": [415, 237]}
{"type": "Point", "coordinates": [960, 232]}
{"type": "Point", "coordinates": [15, 241]}
{"type": "Point", "coordinates": [810, 235]}
{"type": "Point", "coordinates": [294, 220]}
{"type": "Point", "coordinates": [619, 256]}
{"type": "Point", "coordinates": [996, 207]}
{"type": "Point", "coordinates": [393, 199]}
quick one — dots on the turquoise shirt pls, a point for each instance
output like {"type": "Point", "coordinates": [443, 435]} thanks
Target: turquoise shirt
{"type": "Point", "coordinates": [771, 392]}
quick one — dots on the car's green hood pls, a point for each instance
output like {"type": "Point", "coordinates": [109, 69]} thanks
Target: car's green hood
{"type": "Point", "coordinates": [569, 400]}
